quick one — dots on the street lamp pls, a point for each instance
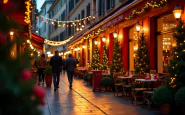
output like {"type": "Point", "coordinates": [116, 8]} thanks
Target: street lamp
{"type": "Point", "coordinates": [103, 39]}
{"type": "Point", "coordinates": [115, 34]}
{"type": "Point", "coordinates": [83, 46]}
{"type": "Point", "coordinates": [177, 12]}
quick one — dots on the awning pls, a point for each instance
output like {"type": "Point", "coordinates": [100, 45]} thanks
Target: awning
{"type": "Point", "coordinates": [36, 41]}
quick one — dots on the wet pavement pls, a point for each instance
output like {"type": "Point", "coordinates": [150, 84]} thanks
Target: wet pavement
{"type": "Point", "coordinates": [81, 100]}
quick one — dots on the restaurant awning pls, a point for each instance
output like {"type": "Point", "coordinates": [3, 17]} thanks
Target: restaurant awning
{"type": "Point", "coordinates": [36, 41]}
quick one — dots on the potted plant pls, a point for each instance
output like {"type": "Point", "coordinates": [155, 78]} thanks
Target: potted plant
{"type": "Point", "coordinates": [180, 98]}
{"type": "Point", "coordinates": [48, 76]}
{"type": "Point", "coordinates": [163, 97]}
{"type": "Point", "coordinates": [107, 82]}
{"type": "Point", "coordinates": [88, 78]}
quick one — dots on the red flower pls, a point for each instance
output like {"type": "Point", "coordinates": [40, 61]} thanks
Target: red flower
{"type": "Point", "coordinates": [26, 74]}
{"type": "Point", "coordinates": [39, 92]}
{"type": "Point", "coordinates": [2, 38]}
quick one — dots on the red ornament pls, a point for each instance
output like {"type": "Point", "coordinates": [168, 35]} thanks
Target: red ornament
{"type": "Point", "coordinates": [39, 92]}
{"type": "Point", "coordinates": [26, 74]}
{"type": "Point", "coordinates": [67, 25]}
{"type": "Point", "coordinates": [89, 19]}
{"type": "Point", "coordinates": [46, 21]}
{"type": "Point", "coordinates": [43, 103]}
{"type": "Point", "coordinates": [42, 18]}
{"type": "Point", "coordinates": [2, 38]}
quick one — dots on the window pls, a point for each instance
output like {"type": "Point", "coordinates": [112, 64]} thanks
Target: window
{"type": "Point", "coordinates": [101, 7]}
{"type": "Point", "coordinates": [88, 13]}
{"type": "Point", "coordinates": [110, 4]}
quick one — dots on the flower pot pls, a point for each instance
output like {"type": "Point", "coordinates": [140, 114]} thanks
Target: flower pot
{"type": "Point", "coordinates": [165, 109]}
{"type": "Point", "coordinates": [108, 88]}
{"type": "Point", "coordinates": [48, 80]}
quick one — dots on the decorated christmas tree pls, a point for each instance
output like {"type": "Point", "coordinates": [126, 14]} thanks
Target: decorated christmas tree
{"type": "Point", "coordinates": [176, 67]}
{"type": "Point", "coordinates": [117, 64]}
{"type": "Point", "coordinates": [142, 58]}
{"type": "Point", "coordinates": [105, 58]}
{"type": "Point", "coordinates": [95, 65]}
{"type": "Point", "coordinates": [18, 93]}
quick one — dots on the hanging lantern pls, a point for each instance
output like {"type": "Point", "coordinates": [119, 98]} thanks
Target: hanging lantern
{"type": "Point", "coordinates": [89, 19]}
{"type": "Point", "coordinates": [103, 39]}
{"type": "Point", "coordinates": [77, 29]}
{"type": "Point", "coordinates": [84, 21]}
{"type": "Point", "coordinates": [138, 27]}
{"type": "Point", "coordinates": [67, 25]}
{"type": "Point", "coordinates": [95, 42]}
{"type": "Point", "coordinates": [42, 19]}
{"type": "Point", "coordinates": [71, 25]}
{"type": "Point", "coordinates": [46, 21]}
{"type": "Point", "coordinates": [177, 12]}
{"type": "Point", "coordinates": [115, 34]}
{"type": "Point", "coordinates": [59, 24]}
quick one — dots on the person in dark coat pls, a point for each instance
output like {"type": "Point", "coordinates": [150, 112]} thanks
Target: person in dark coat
{"type": "Point", "coordinates": [56, 63]}
{"type": "Point", "coordinates": [70, 65]}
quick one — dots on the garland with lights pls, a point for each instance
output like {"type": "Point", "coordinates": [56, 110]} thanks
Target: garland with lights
{"type": "Point", "coordinates": [105, 58]}
{"type": "Point", "coordinates": [152, 4]}
{"type": "Point", "coordinates": [117, 64]}
{"type": "Point", "coordinates": [95, 65]}
{"type": "Point", "coordinates": [142, 58]}
{"type": "Point", "coordinates": [177, 63]}
{"type": "Point", "coordinates": [64, 22]}
{"type": "Point", "coordinates": [54, 43]}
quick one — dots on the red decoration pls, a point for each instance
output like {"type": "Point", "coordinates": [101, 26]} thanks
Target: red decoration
{"type": "Point", "coordinates": [67, 25]}
{"type": "Point", "coordinates": [71, 25]}
{"type": "Point", "coordinates": [46, 21]}
{"type": "Point", "coordinates": [26, 74]}
{"type": "Point", "coordinates": [2, 38]}
{"type": "Point", "coordinates": [39, 92]}
{"type": "Point", "coordinates": [89, 19]}
{"type": "Point", "coordinates": [42, 103]}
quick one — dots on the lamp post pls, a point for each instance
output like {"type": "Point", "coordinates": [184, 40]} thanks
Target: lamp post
{"type": "Point", "coordinates": [96, 42]}
{"type": "Point", "coordinates": [11, 33]}
{"type": "Point", "coordinates": [138, 27]}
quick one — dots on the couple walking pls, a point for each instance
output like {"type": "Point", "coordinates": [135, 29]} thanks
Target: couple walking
{"type": "Point", "coordinates": [56, 63]}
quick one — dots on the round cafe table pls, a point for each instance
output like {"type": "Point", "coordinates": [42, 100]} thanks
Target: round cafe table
{"type": "Point", "coordinates": [148, 80]}
{"type": "Point", "coordinates": [124, 77]}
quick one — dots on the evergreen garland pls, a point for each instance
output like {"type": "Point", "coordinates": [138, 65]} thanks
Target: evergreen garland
{"type": "Point", "coordinates": [142, 58]}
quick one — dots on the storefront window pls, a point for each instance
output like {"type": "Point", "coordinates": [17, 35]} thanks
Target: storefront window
{"type": "Point", "coordinates": [133, 46]}
{"type": "Point", "coordinates": [165, 29]}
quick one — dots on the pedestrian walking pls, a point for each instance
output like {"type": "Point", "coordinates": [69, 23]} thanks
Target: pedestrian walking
{"type": "Point", "coordinates": [56, 63]}
{"type": "Point", "coordinates": [70, 65]}
{"type": "Point", "coordinates": [42, 63]}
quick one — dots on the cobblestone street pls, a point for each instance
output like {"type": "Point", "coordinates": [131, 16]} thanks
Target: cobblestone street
{"type": "Point", "coordinates": [81, 100]}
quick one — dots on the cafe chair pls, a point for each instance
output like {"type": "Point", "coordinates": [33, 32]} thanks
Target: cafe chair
{"type": "Point", "coordinates": [118, 85]}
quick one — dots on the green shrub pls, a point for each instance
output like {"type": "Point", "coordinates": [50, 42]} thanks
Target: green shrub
{"type": "Point", "coordinates": [107, 81]}
{"type": "Point", "coordinates": [87, 76]}
{"type": "Point", "coordinates": [180, 97]}
{"type": "Point", "coordinates": [48, 71]}
{"type": "Point", "coordinates": [163, 95]}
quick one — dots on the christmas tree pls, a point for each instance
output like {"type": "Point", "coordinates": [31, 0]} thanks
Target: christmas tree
{"type": "Point", "coordinates": [18, 93]}
{"type": "Point", "coordinates": [117, 65]}
{"type": "Point", "coordinates": [176, 67]}
{"type": "Point", "coordinates": [142, 58]}
{"type": "Point", "coordinates": [105, 58]}
{"type": "Point", "coordinates": [95, 65]}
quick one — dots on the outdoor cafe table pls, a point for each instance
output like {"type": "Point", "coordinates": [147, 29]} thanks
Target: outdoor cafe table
{"type": "Point", "coordinates": [148, 80]}
{"type": "Point", "coordinates": [124, 77]}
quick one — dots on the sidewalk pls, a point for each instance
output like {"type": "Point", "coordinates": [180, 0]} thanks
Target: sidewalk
{"type": "Point", "coordinates": [81, 100]}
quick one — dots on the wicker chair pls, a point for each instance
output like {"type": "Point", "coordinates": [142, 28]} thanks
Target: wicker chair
{"type": "Point", "coordinates": [117, 84]}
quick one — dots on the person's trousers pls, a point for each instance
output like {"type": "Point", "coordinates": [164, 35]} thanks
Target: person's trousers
{"type": "Point", "coordinates": [70, 77]}
{"type": "Point", "coordinates": [56, 79]}
{"type": "Point", "coordinates": [41, 74]}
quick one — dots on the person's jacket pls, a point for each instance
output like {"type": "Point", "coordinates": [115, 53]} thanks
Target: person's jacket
{"type": "Point", "coordinates": [56, 63]}
{"type": "Point", "coordinates": [70, 64]}
{"type": "Point", "coordinates": [42, 63]}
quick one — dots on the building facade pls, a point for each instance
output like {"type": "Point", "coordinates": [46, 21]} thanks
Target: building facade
{"type": "Point", "coordinates": [156, 20]}
{"type": "Point", "coordinates": [42, 26]}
